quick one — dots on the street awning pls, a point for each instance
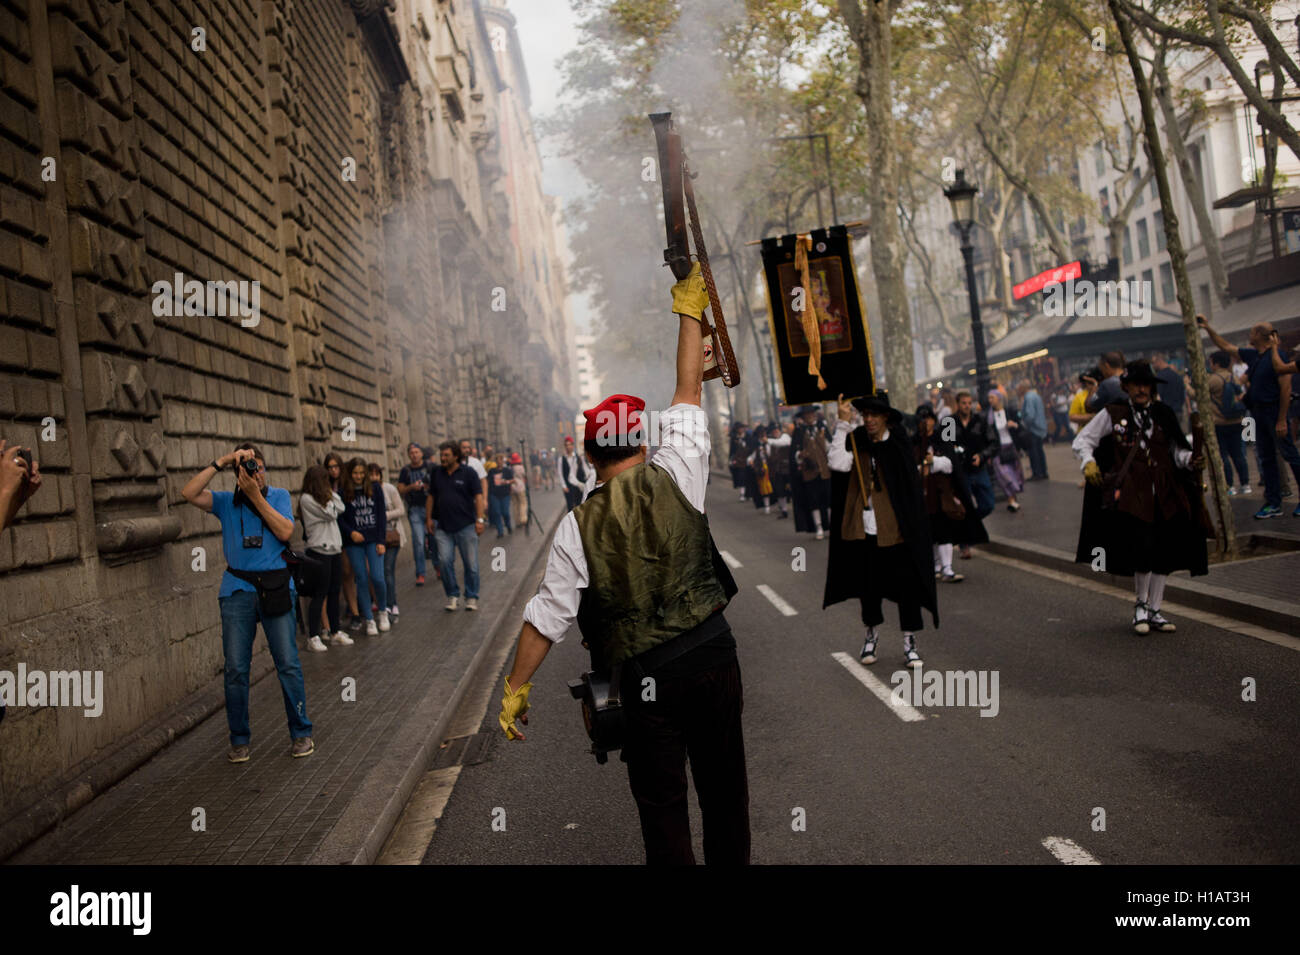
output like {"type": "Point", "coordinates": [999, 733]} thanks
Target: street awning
{"type": "Point", "coordinates": [1280, 307]}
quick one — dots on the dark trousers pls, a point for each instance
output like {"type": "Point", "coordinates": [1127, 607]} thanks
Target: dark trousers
{"type": "Point", "coordinates": [695, 717]}
{"type": "Point", "coordinates": [1037, 460]}
{"type": "Point", "coordinates": [1268, 445]}
{"type": "Point", "coordinates": [1232, 451]}
{"type": "Point", "coordinates": [572, 496]}
{"type": "Point", "coordinates": [981, 488]}
{"type": "Point", "coordinates": [891, 576]}
{"type": "Point", "coordinates": [326, 592]}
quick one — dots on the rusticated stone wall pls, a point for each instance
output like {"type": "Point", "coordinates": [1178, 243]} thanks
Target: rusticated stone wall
{"type": "Point", "coordinates": [328, 150]}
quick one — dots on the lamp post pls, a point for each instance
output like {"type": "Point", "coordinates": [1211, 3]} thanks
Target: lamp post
{"type": "Point", "coordinates": [961, 196]}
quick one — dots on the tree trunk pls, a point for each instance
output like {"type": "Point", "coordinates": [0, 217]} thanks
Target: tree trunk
{"type": "Point", "coordinates": [1178, 261]}
{"type": "Point", "coordinates": [1194, 190]}
{"type": "Point", "coordinates": [869, 30]}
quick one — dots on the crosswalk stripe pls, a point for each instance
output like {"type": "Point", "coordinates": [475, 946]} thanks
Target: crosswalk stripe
{"type": "Point", "coordinates": [904, 711]}
{"type": "Point", "coordinates": [730, 561]}
{"type": "Point", "coordinates": [1068, 851]}
{"type": "Point", "coordinates": [775, 600]}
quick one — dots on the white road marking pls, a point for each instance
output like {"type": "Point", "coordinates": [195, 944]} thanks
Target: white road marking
{"type": "Point", "coordinates": [730, 561]}
{"type": "Point", "coordinates": [904, 711]}
{"type": "Point", "coordinates": [775, 600]}
{"type": "Point", "coordinates": [1068, 851]}
{"type": "Point", "coordinates": [1171, 609]}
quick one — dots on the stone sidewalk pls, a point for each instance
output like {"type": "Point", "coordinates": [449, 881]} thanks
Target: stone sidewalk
{"type": "Point", "coordinates": [189, 805]}
{"type": "Point", "coordinates": [1261, 588]}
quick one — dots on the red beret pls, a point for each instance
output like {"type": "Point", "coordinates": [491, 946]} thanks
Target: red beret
{"type": "Point", "coordinates": [616, 416]}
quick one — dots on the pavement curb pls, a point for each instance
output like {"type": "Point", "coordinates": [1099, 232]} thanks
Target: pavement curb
{"type": "Point", "coordinates": [1190, 591]}
{"type": "Point", "coordinates": [107, 771]}
{"type": "Point", "coordinates": [371, 815]}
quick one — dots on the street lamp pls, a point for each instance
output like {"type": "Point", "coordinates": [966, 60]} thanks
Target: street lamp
{"type": "Point", "coordinates": [961, 196]}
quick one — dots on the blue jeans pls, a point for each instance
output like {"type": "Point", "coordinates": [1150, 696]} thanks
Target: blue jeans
{"type": "Point", "coordinates": [499, 513]}
{"type": "Point", "coordinates": [367, 568]}
{"type": "Point", "coordinates": [981, 488]}
{"type": "Point", "coordinates": [390, 568]}
{"type": "Point", "coordinates": [466, 541]}
{"type": "Point", "coordinates": [1232, 452]}
{"type": "Point", "coordinates": [416, 513]}
{"type": "Point", "coordinates": [239, 618]}
{"type": "Point", "coordinates": [1268, 446]}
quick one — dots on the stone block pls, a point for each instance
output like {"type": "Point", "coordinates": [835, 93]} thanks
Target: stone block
{"type": "Point", "coordinates": [62, 539]}
{"type": "Point", "coordinates": [31, 544]}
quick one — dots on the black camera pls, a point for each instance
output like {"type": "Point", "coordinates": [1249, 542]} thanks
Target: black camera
{"type": "Point", "coordinates": [252, 542]}
{"type": "Point", "coordinates": [250, 466]}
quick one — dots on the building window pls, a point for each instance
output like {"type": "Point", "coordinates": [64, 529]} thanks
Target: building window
{"type": "Point", "coordinates": [1155, 189]}
{"type": "Point", "coordinates": [1158, 222]}
{"type": "Point", "coordinates": [1144, 239]}
{"type": "Point", "coordinates": [1147, 294]}
{"type": "Point", "coordinates": [1099, 157]}
{"type": "Point", "coordinates": [1105, 202]}
{"type": "Point", "coordinates": [1166, 283]}
{"type": "Point", "coordinates": [1128, 246]}
{"type": "Point", "coordinates": [1137, 184]}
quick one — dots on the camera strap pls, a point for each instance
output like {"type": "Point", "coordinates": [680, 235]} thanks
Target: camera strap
{"type": "Point", "coordinates": [240, 502]}
{"type": "Point", "coordinates": [643, 664]}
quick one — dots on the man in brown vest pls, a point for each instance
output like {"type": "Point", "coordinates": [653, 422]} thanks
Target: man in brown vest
{"type": "Point", "coordinates": [1143, 510]}
{"type": "Point", "coordinates": [880, 529]}
{"type": "Point", "coordinates": [635, 567]}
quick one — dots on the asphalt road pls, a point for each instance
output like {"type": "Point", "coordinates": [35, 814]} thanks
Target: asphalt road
{"type": "Point", "coordinates": [1153, 731]}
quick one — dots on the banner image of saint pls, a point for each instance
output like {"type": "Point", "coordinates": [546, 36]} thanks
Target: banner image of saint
{"type": "Point", "coordinates": [827, 296]}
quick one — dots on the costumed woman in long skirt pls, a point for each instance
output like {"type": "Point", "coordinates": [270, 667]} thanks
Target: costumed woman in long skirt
{"type": "Point", "coordinates": [954, 519]}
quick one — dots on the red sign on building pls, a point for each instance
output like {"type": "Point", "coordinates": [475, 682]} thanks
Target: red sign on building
{"type": "Point", "coordinates": [1051, 277]}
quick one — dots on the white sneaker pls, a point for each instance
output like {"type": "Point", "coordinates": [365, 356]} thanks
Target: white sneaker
{"type": "Point", "coordinates": [315, 645]}
{"type": "Point", "coordinates": [1245, 489]}
{"type": "Point", "coordinates": [384, 625]}
{"type": "Point", "coordinates": [393, 613]}
{"type": "Point", "coordinates": [371, 629]}
{"type": "Point", "coordinates": [453, 603]}
{"type": "Point", "coordinates": [471, 603]}
{"type": "Point", "coordinates": [341, 639]}
{"type": "Point", "coordinates": [820, 533]}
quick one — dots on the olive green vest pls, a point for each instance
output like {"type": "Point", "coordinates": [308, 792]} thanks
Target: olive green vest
{"type": "Point", "coordinates": [653, 572]}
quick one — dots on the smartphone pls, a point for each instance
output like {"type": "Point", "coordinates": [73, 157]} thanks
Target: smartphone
{"type": "Point", "coordinates": [26, 455]}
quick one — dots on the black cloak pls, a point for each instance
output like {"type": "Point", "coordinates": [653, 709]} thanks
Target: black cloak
{"type": "Point", "coordinates": [846, 568]}
{"type": "Point", "coordinates": [1180, 542]}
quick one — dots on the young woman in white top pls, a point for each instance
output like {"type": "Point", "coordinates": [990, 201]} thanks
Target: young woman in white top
{"type": "Point", "coordinates": [319, 508]}
{"type": "Point", "coordinates": [397, 536]}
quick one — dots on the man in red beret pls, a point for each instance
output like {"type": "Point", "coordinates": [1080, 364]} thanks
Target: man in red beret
{"type": "Point", "coordinates": [635, 567]}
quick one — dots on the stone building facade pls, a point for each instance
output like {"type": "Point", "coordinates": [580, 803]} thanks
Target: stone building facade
{"type": "Point", "coordinates": [367, 164]}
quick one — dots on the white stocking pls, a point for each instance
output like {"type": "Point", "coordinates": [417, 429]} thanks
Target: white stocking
{"type": "Point", "coordinates": [1142, 584]}
{"type": "Point", "coordinates": [1157, 591]}
{"type": "Point", "coordinates": [945, 556]}
{"type": "Point", "coordinates": [817, 519]}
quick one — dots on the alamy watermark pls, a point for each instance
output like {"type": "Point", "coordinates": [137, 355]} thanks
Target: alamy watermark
{"type": "Point", "coordinates": [1088, 299]}
{"type": "Point", "coordinates": [689, 433]}
{"type": "Point", "coordinates": [921, 687]}
{"type": "Point", "coordinates": [75, 688]}
{"type": "Point", "coordinates": [192, 298]}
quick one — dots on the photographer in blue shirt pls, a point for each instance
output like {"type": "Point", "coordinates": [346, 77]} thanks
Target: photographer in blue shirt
{"type": "Point", "coordinates": [256, 524]}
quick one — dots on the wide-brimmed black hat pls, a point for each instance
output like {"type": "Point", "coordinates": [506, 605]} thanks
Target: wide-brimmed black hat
{"type": "Point", "coordinates": [877, 404]}
{"type": "Point", "coordinates": [807, 409]}
{"type": "Point", "coordinates": [1138, 373]}
{"type": "Point", "coordinates": [925, 410]}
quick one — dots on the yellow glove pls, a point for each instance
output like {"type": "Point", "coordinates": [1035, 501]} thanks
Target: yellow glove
{"type": "Point", "coordinates": [1092, 474]}
{"type": "Point", "coordinates": [690, 297]}
{"type": "Point", "coordinates": [514, 705]}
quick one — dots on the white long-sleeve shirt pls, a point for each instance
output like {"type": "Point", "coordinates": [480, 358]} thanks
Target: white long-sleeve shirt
{"type": "Point", "coordinates": [1090, 435]}
{"type": "Point", "coordinates": [684, 454]}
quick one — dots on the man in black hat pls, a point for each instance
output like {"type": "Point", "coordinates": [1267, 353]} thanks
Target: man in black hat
{"type": "Point", "coordinates": [1143, 512]}
{"type": "Point", "coordinates": [810, 473]}
{"type": "Point", "coordinates": [880, 532]}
